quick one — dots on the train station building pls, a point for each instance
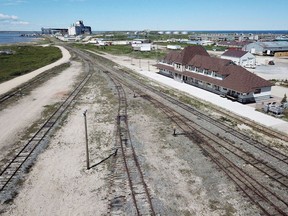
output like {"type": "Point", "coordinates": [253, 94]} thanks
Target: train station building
{"type": "Point", "coordinates": [193, 65]}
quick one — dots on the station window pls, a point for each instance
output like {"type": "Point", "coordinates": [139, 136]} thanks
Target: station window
{"type": "Point", "coordinates": [257, 91]}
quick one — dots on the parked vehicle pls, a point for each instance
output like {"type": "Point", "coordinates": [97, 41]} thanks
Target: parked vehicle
{"type": "Point", "coordinates": [271, 63]}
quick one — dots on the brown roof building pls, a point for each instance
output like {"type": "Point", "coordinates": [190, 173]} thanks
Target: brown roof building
{"type": "Point", "coordinates": [234, 53]}
{"type": "Point", "coordinates": [194, 66]}
{"type": "Point", "coordinates": [239, 57]}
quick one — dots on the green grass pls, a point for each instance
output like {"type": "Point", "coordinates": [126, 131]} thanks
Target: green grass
{"type": "Point", "coordinates": [123, 50]}
{"type": "Point", "coordinates": [26, 59]}
{"type": "Point", "coordinates": [211, 47]}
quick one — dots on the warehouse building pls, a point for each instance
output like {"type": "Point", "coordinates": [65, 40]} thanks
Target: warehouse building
{"type": "Point", "coordinates": [194, 66]}
{"type": "Point", "coordinates": [267, 48]}
{"type": "Point", "coordinates": [79, 29]}
{"type": "Point", "coordinates": [239, 57]}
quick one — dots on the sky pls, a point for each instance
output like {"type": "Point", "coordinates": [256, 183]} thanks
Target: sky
{"type": "Point", "coordinates": [122, 15]}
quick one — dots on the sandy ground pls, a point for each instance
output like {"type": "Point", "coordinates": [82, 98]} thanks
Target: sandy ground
{"type": "Point", "coordinates": [59, 183]}
{"type": "Point", "coordinates": [146, 68]}
{"type": "Point", "coordinates": [7, 86]}
{"type": "Point", "coordinates": [28, 109]}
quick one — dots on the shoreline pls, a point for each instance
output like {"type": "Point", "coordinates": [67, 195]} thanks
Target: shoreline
{"type": "Point", "coordinates": [34, 41]}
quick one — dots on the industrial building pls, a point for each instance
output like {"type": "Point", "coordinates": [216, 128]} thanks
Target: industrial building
{"type": "Point", "coordinates": [62, 31]}
{"type": "Point", "coordinates": [239, 57]}
{"type": "Point", "coordinates": [79, 28]}
{"type": "Point", "coordinates": [267, 48]}
{"type": "Point", "coordinates": [194, 66]}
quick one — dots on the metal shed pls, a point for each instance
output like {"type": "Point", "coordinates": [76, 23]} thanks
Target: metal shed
{"type": "Point", "coordinates": [266, 48]}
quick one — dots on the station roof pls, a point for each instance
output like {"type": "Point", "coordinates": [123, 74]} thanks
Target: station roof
{"type": "Point", "coordinates": [235, 78]}
{"type": "Point", "coordinates": [189, 52]}
{"type": "Point", "coordinates": [234, 53]}
{"type": "Point", "coordinates": [209, 63]}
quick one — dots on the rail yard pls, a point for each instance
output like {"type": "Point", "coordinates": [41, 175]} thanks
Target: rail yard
{"type": "Point", "coordinates": [209, 166]}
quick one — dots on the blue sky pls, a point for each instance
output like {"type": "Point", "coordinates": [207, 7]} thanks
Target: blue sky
{"type": "Point", "coordinates": [145, 14]}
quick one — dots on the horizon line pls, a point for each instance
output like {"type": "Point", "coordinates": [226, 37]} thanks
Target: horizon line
{"type": "Point", "coordinates": [160, 30]}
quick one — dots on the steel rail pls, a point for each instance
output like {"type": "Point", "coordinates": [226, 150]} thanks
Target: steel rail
{"type": "Point", "coordinates": [250, 159]}
{"type": "Point", "coordinates": [262, 147]}
{"type": "Point", "coordinates": [10, 170]}
{"type": "Point", "coordinates": [247, 139]}
{"type": "Point", "coordinates": [132, 166]}
{"type": "Point", "coordinates": [252, 187]}
{"type": "Point", "coordinates": [248, 182]}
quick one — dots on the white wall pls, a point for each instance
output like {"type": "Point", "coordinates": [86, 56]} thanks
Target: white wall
{"type": "Point", "coordinates": [247, 60]}
{"type": "Point", "coordinates": [142, 47]}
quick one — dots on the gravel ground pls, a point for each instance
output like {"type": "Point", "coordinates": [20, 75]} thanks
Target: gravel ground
{"type": "Point", "coordinates": [182, 180]}
{"type": "Point", "coordinates": [239, 109]}
{"type": "Point", "coordinates": [28, 109]}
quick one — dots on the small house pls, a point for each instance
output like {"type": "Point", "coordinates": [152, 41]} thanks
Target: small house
{"type": "Point", "coordinates": [239, 57]}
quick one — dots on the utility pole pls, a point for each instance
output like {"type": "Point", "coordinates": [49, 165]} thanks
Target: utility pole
{"type": "Point", "coordinates": [174, 130]}
{"type": "Point", "coordinates": [148, 66]}
{"type": "Point", "coordinates": [86, 139]}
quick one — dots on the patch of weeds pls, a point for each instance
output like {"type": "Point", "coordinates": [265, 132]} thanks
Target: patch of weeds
{"type": "Point", "coordinates": [185, 172]}
{"type": "Point", "coordinates": [10, 200]}
{"type": "Point", "coordinates": [229, 210]}
{"type": "Point", "coordinates": [28, 167]}
{"type": "Point", "coordinates": [167, 91]}
{"type": "Point", "coordinates": [227, 120]}
{"type": "Point", "coordinates": [49, 109]}
{"type": "Point", "coordinates": [214, 205]}
{"type": "Point", "coordinates": [191, 182]}
{"type": "Point", "coordinates": [187, 213]}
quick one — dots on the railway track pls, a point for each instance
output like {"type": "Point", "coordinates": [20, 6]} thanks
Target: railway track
{"type": "Point", "coordinates": [269, 201]}
{"type": "Point", "coordinates": [19, 90]}
{"type": "Point", "coordinates": [259, 192]}
{"type": "Point", "coordinates": [14, 168]}
{"type": "Point", "coordinates": [253, 186]}
{"type": "Point", "coordinates": [128, 161]}
{"type": "Point", "coordinates": [228, 129]}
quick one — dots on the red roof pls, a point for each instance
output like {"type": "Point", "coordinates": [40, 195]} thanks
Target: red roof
{"type": "Point", "coordinates": [170, 57]}
{"type": "Point", "coordinates": [189, 52]}
{"type": "Point", "coordinates": [235, 77]}
{"type": "Point", "coordinates": [242, 80]}
{"type": "Point", "coordinates": [209, 63]}
{"type": "Point", "coordinates": [184, 56]}
{"type": "Point", "coordinates": [234, 53]}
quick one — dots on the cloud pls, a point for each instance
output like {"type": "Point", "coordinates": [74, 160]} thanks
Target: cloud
{"type": "Point", "coordinates": [20, 23]}
{"type": "Point", "coordinates": [4, 17]}
{"type": "Point", "coordinates": [11, 19]}
{"type": "Point", "coordinates": [13, 2]}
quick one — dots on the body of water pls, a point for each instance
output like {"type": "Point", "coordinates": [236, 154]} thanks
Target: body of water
{"type": "Point", "coordinates": [15, 37]}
